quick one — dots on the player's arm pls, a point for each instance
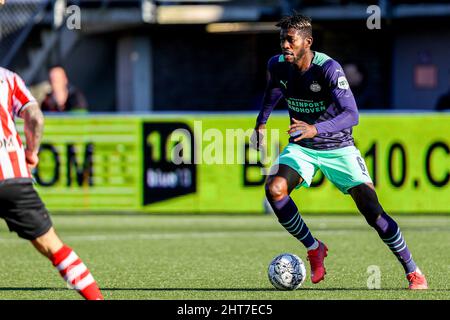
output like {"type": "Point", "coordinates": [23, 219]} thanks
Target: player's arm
{"type": "Point", "coordinates": [25, 106]}
{"type": "Point", "coordinates": [343, 99]}
{"type": "Point", "coordinates": [272, 96]}
{"type": "Point", "coordinates": [33, 128]}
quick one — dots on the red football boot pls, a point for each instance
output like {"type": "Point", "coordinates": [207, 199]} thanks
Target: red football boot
{"type": "Point", "coordinates": [316, 258]}
{"type": "Point", "coordinates": [417, 280]}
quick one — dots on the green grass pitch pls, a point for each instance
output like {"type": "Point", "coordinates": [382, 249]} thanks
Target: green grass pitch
{"type": "Point", "coordinates": [224, 257]}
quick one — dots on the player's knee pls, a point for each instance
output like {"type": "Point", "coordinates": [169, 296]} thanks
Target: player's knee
{"type": "Point", "coordinates": [372, 218]}
{"type": "Point", "coordinates": [371, 211]}
{"type": "Point", "coordinates": [367, 202]}
{"type": "Point", "coordinates": [276, 190]}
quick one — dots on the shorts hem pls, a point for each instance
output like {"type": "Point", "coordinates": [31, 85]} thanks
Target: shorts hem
{"type": "Point", "coordinates": [304, 183]}
{"type": "Point", "coordinates": [345, 191]}
{"type": "Point", "coordinates": [36, 234]}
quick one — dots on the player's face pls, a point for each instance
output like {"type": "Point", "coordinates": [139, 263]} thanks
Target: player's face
{"type": "Point", "coordinates": [293, 45]}
{"type": "Point", "coordinates": [2, 2]}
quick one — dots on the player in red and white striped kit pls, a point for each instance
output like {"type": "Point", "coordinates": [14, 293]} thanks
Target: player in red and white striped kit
{"type": "Point", "coordinates": [21, 206]}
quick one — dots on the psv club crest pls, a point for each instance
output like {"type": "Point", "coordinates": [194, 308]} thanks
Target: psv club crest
{"type": "Point", "coordinates": [315, 87]}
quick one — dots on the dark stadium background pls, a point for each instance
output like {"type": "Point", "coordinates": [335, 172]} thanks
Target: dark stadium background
{"type": "Point", "coordinates": [181, 61]}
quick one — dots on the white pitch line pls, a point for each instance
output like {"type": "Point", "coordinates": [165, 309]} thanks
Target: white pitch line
{"type": "Point", "coordinates": [175, 236]}
{"type": "Point", "coordinates": [160, 236]}
{"type": "Point", "coordinates": [195, 235]}
{"type": "Point", "coordinates": [357, 220]}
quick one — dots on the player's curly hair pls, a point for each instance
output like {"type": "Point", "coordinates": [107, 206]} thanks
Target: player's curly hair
{"type": "Point", "coordinates": [297, 21]}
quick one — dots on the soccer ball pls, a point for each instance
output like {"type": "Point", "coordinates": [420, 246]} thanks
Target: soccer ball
{"type": "Point", "coordinates": [287, 272]}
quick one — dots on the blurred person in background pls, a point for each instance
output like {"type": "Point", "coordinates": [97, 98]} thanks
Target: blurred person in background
{"type": "Point", "coordinates": [63, 97]}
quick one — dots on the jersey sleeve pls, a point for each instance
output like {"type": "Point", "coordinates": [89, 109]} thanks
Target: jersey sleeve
{"type": "Point", "coordinates": [343, 100]}
{"type": "Point", "coordinates": [21, 97]}
{"type": "Point", "coordinates": [272, 93]}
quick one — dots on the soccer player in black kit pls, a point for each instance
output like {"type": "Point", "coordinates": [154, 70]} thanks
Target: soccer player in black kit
{"type": "Point", "coordinates": [323, 111]}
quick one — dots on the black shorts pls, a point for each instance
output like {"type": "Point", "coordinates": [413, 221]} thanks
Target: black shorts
{"type": "Point", "coordinates": [23, 210]}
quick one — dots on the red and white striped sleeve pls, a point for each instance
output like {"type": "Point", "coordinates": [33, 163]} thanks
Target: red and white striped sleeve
{"type": "Point", "coordinates": [21, 97]}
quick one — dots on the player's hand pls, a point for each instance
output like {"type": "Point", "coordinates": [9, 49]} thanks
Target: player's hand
{"type": "Point", "coordinates": [307, 130]}
{"type": "Point", "coordinates": [257, 140]}
{"type": "Point", "coordinates": [31, 158]}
